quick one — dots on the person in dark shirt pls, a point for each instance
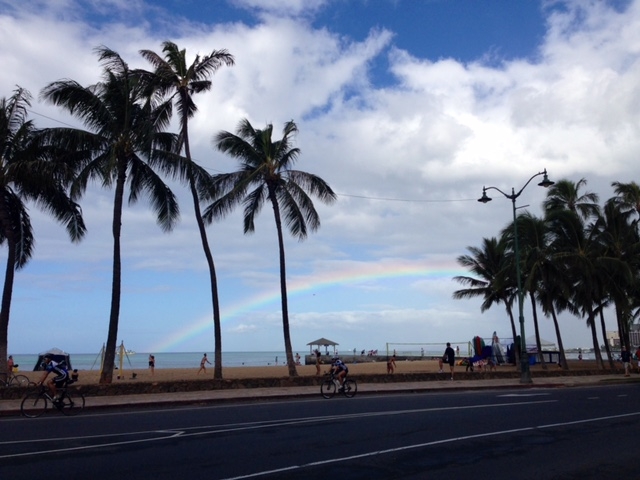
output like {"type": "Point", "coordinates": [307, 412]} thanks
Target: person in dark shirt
{"type": "Point", "coordinates": [450, 358]}
{"type": "Point", "coordinates": [626, 360]}
{"type": "Point", "coordinates": [60, 372]}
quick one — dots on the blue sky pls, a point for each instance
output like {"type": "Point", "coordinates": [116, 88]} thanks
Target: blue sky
{"type": "Point", "coordinates": [406, 108]}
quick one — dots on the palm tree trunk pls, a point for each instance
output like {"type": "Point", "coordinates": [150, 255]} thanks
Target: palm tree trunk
{"type": "Point", "coordinates": [283, 289]}
{"type": "Point", "coordinates": [106, 375]}
{"type": "Point", "coordinates": [537, 330]}
{"type": "Point", "coordinates": [594, 338]}
{"type": "Point", "coordinates": [606, 343]}
{"type": "Point", "coordinates": [217, 330]}
{"type": "Point", "coordinates": [7, 292]}
{"type": "Point", "coordinates": [514, 333]}
{"type": "Point", "coordinates": [563, 358]}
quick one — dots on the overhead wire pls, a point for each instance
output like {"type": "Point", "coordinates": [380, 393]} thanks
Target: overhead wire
{"type": "Point", "coordinates": [364, 197]}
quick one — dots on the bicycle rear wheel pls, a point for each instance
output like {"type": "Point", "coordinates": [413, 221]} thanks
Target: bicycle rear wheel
{"type": "Point", "coordinates": [72, 403]}
{"type": "Point", "coordinates": [19, 381]}
{"type": "Point", "coordinates": [350, 388]}
{"type": "Point", "coordinates": [33, 405]}
{"type": "Point", "coordinates": [328, 389]}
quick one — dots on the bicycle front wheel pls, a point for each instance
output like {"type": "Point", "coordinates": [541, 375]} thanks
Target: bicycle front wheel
{"type": "Point", "coordinates": [19, 381]}
{"type": "Point", "coordinates": [328, 389]}
{"type": "Point", "coordinates": [33, 405]}
{"type": "Point", "coordinates": [350, 388]}
{"type": "Point", "coordinates": [72, 403]}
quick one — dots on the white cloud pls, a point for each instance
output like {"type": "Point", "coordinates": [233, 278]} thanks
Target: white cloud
{"type": "Point", "coordinates": [437, 135]}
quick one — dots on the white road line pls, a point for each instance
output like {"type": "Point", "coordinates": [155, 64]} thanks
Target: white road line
{"type": "Point", "coordinates": [426, 444]}
{"type": "Point", "coordinates": [234, 427]}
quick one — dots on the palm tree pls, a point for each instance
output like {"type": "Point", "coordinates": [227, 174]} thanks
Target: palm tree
{"type": "Point", "coordinates": [565, 195]}
{"type": "Point", "coordinates": [627, 196]}
{"type": "Point", "coordinates": [27, 173]}
{"type": "Point", "coordinates": [265, 166]}
{"type": "Point", "coordinates": [532, 238]}
{"type": "Point", "coordinates": [173, 76]}
{"type": "Point", "coordinates": [491, 265]}
{"type": "Point", "coordinates": [123, 144]}
{"type": "Point", "coordinates": [620, 240]}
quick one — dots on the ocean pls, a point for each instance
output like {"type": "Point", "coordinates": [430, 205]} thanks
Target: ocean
{"type": "Point", "coordinates": [92, 361]}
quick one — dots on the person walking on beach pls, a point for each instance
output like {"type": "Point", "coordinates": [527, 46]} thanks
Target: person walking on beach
{"type": "Point", "coordinates": [317, 362]}
{"type": "Point", "coordinates": [450, 358]}
{"type": "Point", "coordinates": [391, 364]}
{"type": "Point", "coordinates": [152, 364]}
{"type": "Point", "coordinates": [626, 360]}
{"type": "Point", "coordinates": [203, 364]}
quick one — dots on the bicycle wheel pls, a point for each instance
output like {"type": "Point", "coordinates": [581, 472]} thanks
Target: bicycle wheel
{"type": "Point", "coordinates": [350, 388]}
{"type": "Point", "coordinates": [19, 381]}
{"type": "Point", "coordinates": [33, 405]}
{"type": "Point", "coordinates": [72, 403]}
{"type": "Point", "coordinates": [328, 389]}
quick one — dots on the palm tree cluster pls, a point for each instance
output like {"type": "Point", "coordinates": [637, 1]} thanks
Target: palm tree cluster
{"type": "Point", "coordinates": [126, 146]}
{"type": "Point", "coordinates": [578, 258]}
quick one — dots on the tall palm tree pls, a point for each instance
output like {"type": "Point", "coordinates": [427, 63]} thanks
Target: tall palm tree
{"type": "Point", "coordinates": [490, 264]}
{"type": "Point", "coordinates": [123, 144]}
{"type": "Point", "coordinates": [578, 250]}
{"type": "Point", "coordinates": [181, 81]}
{"type": "Point", "coordinates": [27, 173]}
{"type": "Point", "coordinates": [627, 196]}
{"type": "Point", "coordinates": [266, 166]}
{"type": "Point", "coordinates": [565, 195]}
{"type": "Point", "coordinates": [532, 238]}
{"type": "Point", "coordinates": [619, 238]}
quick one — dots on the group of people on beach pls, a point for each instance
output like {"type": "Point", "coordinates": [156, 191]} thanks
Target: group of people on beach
{"type": "Point", "coordinates": [203, 364]}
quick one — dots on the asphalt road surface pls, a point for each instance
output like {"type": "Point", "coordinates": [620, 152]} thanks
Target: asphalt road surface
{"type": "Point", "coordinates": [564, 433]}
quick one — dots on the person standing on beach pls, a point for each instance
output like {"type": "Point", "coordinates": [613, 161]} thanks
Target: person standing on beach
{"type": "Point", "coordinates": [152, 364]}
{"type": "Point", "coordinates": [450, 358]}
{"type": "Point", "coordinates": [391, 364]}
{"type": "Point", "coordinates": [203, 364]}
{"type": "Point", "coordinates": [10, 366]}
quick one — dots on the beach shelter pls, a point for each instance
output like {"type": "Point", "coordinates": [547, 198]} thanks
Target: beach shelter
{"type": "Point", "coordinates": [322, 342]}
{"type": "Point", "coordinates": [56, 354]}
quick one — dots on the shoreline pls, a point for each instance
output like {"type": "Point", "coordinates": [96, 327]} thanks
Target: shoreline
{"type": "Point", "coordinates": [91, 377]}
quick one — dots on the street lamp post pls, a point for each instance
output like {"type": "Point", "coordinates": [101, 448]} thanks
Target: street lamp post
{"type": "Point", "coordinates": [525, 372]}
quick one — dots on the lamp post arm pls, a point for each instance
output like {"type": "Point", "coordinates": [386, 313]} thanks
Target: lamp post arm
{"type": "Point", "coordinates": [529, 181]}
{"type": "Point", "coordinates": [496, 188]}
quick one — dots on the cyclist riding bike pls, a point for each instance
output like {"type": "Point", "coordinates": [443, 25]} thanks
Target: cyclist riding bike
{"type": "Point", "coordinates": [339, 370]}
{"type": "Point", "coordinates": [60, 379]}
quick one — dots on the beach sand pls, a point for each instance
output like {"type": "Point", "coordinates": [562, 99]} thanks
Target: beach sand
{"type": "Point", "coordinates": [88, 377]}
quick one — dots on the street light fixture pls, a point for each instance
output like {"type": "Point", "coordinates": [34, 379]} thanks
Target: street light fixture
{"type": "Point", "coordinates": [525, 372]}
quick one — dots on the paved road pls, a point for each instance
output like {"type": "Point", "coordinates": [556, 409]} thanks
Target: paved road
{"type": "Point", "coordinates": [12, 407]}
{"type": "Point", "coordinates": [448, 433]}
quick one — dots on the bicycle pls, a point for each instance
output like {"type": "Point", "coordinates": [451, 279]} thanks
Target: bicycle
{"type": "Point", "coordinates": [329, 386]}
{"type": "Point", "coordinates": [34, 404]}
{"type": "Point", "coordinates": [14, 381]}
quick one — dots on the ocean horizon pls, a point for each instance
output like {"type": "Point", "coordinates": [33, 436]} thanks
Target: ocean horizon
{"type": "Point", "coordinates": [140, 360]}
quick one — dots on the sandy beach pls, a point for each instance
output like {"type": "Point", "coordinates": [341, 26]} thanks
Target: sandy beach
{"type": "Point", "coordinates": [173, 374]}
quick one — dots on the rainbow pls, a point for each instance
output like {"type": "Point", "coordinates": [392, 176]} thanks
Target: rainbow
{"type": "Point", "coordinates": [352, 274]}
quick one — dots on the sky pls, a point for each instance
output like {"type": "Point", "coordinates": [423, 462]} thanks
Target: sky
{"type": "Point", "coordinates": [407, 108]}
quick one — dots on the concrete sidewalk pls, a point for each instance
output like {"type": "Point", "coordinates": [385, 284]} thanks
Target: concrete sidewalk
{"type": "Point", "coordinates": [12, 407]}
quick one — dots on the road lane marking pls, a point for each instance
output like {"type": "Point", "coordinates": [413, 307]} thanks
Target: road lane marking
{"type": "Point", "coordinates": [165, 434]}
{"type": "Point", "coordinates": [427, 444]}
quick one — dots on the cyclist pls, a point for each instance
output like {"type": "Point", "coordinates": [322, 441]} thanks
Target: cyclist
{"type": "Point", "coordinates": [339, 370]}
{"type": "Point", "coordinates": [51, 366]}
